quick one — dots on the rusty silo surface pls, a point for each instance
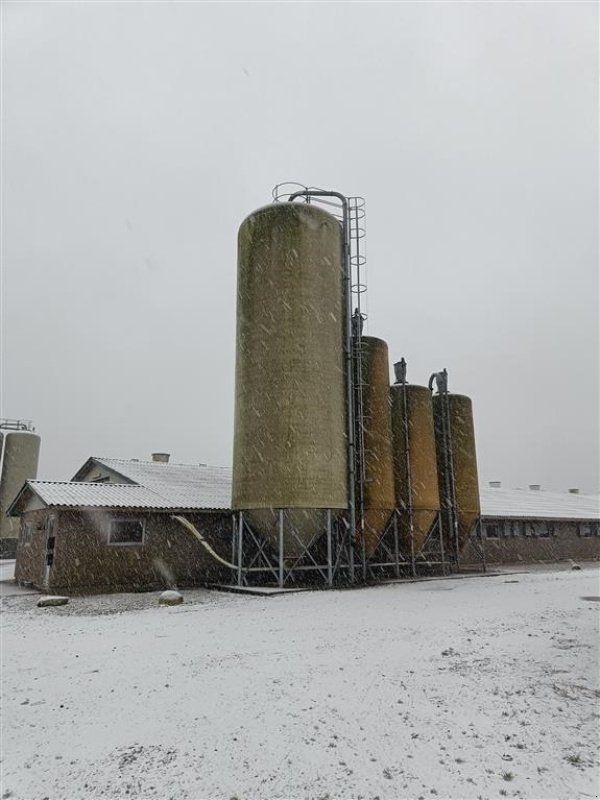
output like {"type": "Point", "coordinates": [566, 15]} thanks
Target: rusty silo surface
{"type": "Point", "coordinates": [378, 491]}
{"type": "Point", "coordinates": [290, 410]}
{"type": "Point", "coordinates": [463, 460]}
{"type": "Point", "coordinates": [19, 463]}
{"type": "Point", "coordinates": [413, 439]}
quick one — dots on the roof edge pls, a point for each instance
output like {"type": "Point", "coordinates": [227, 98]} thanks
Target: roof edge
{"type": "Point", "coordinates": [11, 510]}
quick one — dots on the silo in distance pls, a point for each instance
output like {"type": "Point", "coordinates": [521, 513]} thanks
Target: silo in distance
{"type": "Point", "coordinates": [290, 445]}
{"type": "Point", "coordinates": [415, 465]}
{"type": "Point", "coordinates": [378, 470]}
{"type": "Point", "coordinates": [20, 455]}
{"type": "Point", "coordinates": [462, 461]}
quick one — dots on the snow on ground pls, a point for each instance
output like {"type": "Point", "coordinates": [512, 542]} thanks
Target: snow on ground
{"type": "Point", "coordinates": [480, 687]}
{"type": "Point", "coordinates": [7, 569]}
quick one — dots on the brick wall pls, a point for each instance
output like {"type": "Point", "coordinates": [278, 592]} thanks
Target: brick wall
{"type": "Point", "coordinates": [512, 547]}
{"type": "Point", "coordinates": [85, 561]}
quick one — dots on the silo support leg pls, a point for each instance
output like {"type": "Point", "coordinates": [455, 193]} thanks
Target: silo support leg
{"type": "Point", "coordinates": [281, 532]}
{"type": "Point", "coordinates": [413, 564]}
{"type": "Point", "coordinates": [329, 551]}
{"type": "Point", "coordinates": [441, 535]}
{"type": "Point", "coordinates": [396, 546]}
{"type": "Point", "coordinates": [240, 544]}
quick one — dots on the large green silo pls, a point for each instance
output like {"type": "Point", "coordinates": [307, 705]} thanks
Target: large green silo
{"type": "Point", "coordinates": [19, 463]}
{"type": "Point", "coordinates": [290, 387]}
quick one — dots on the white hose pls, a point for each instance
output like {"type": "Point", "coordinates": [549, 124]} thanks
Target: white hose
{"type": "Point", "coordinates": [195, 532]}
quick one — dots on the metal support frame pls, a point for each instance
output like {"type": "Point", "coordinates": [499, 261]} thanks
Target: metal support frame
{"type": "Point", "coordinates": [476, 538]}
{"type": "Point", "coordinates": [390, 558]}
{"type": "Point", "coordinates": [325, 561]}
{"type": "Point", "coordinates": [17, 425]}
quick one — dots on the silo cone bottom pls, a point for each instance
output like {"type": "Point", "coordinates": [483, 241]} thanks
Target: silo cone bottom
{"type": "Point", "coordinates": [466, 526]}
{"type": "Point", "coordinates": [423, 521]}
{"type": "Point", "coordinates": [376, 521]}
{"type": "Point", "coordinates": [302, 527]}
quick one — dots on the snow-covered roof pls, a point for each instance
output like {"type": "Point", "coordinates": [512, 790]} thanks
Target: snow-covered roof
{"type": "Point", "coordinates": [190, 486]}
{"type": "Point", "coordinates": [95, 494]}
{"type": "Point", "coordinates": [67, 494]}
{"type": "Point", "coordinates": [538, 504]}
{"type": "Point", "coordinates": [195, 487]}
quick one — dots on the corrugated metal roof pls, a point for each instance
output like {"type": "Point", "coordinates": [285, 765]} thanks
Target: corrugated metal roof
{"type": "Point", "coordinates": [193, 486]}
{"type": "Point", "coordinates": [538, 504]}
{"type": "Point", "coordinates": [89, 495]}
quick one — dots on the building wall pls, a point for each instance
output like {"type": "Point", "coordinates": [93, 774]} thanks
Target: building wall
{"type": "Point", "coordinates": [31, 548]}
{"type": "Point", "coordinates": [521, 541]}
{"type": "Point", "coordinates": [85, 561]}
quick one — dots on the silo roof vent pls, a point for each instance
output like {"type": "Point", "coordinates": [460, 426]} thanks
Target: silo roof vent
{"type": "Point", "coordinates": [161, 458]}
{"type": "Point", "coordinates": [535, 487]}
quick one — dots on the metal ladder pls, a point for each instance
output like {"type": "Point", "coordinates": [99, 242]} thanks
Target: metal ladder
{"type": "Point", "coordinates": [355, 242]}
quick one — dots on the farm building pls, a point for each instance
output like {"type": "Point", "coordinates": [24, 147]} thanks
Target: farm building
{"type": "Point", "coordinates": [114, 527]}
{"type": "Point", "coordinates": [107, 531]}
{"type": "Point", "coordinates": [532, 525]}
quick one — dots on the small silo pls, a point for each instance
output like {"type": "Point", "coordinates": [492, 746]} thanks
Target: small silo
{"type": "Point", "coordinates": [378, 471]}
{"type": "Point", "coordinates": [20, 455]}
{"type": "Point", "coordinates": [415, 465]}
{"type": "Point", "coordinates": [457, 465]}
{"type": "Point", "coordinates": [290, 445]}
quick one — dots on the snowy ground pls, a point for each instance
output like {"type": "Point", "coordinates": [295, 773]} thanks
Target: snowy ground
{"type": "Point", "coordinates": [482, 687]}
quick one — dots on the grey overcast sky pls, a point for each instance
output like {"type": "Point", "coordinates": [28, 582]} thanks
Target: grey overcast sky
{"type": "Point", "coordinates": [137, 136]}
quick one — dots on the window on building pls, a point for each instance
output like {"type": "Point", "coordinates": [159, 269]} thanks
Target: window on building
{"type": "Point", "coordinates": [532, 529]}
{"type": "Point", "coordinates": [545, 529]}
{"type": "Point", "coordinates": [492, 530]}
{"type": "Point", "coordinates": [50, 539]}
{"type": "Point", "coordinates": [27, 532]}
{"type": "Point", "coordinates": [587, 529]}
{"type": "Point", "coordinates": [511, 527]}
{"type": "Point", "coordinates": [538, 528]}
{"type": "Point", "coordinates": [126, 531]}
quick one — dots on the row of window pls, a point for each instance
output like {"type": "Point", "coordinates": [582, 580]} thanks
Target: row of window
{"type": "Point", "coordinates": [131, 530]}
{"type": "Point", "coordinates": [543, 529]}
